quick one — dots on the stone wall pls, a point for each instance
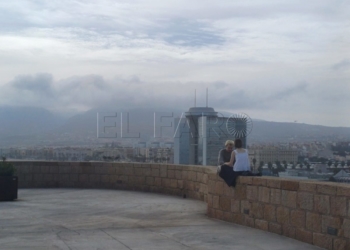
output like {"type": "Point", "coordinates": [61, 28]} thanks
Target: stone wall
{"type": "Point", "coordinates": [313, 212]}
{"type": "Point", "coordinates": [189, 181]}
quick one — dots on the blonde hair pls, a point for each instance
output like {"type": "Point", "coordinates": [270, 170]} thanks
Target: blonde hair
{"type": "Point", "coordinates": [229, 142]}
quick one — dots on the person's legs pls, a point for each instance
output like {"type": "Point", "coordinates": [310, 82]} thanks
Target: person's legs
{"type": "Point", "coordinates": [227, 174]}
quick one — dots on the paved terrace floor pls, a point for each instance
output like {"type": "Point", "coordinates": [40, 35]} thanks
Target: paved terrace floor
{"type": "Point", "coordinates": [125, 220]}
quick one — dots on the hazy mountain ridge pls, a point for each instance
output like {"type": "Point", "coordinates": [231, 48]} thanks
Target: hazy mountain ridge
{"type": "Point", "coordinates": [37, 126]}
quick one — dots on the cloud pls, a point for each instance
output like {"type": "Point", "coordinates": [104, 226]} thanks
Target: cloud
{"type": "Point", "coordinates": [344, 64]}
{"type": "Point", "coordinates": [186, 32]}
{"type": "Point", "coordinates": [40, 83]}
{"type": "Point", "coordinates": [300, 88]}
{"type": "Point", "coordinates": [261, 56]}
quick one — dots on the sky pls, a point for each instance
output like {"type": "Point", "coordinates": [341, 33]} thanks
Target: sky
{"type": "Point", "coordinates": [277, 60]}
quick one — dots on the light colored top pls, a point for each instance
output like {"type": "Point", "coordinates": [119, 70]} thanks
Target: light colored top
{"type": "Point", "coordinates": [242, 161]}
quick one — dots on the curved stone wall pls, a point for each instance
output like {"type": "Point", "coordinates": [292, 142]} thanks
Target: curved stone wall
{"type": "Point", "coordinates": [314, 212]}
{"type": "Point", "coordinates": [181, 180]}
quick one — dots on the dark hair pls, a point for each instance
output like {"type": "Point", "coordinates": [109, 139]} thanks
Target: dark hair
{"type": "Point", "coordinates": [238, 143]}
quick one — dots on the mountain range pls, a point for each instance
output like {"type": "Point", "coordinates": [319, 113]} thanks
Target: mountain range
{"type": "Point", "coordinates": [31, 126]}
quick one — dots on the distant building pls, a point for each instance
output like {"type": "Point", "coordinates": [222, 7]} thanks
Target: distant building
{"type": "Point", "coordinates": [274, 154]}
{"type": "Point", "coordinates": [199, 137]}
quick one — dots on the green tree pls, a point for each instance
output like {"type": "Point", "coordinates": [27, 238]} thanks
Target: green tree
{"type": "Point", "coordinates": [254, 161]}
{"type": "Point", "coordinates": [329, 163]}
{"type": "Point", "coordinates": [269, 165]}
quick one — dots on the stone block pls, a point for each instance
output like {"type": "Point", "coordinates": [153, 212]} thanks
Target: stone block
{"type": "Point", "coordinates": [264, 194]}
{"type": "Point", "coordinates": [246, 205]}
{"type": "Point", "coordinates": [303, 235]}
{"type": "Point", "coordinates": [329, 189]}
{"type": "Point", "coordinates": [216, 201]}
{"type": "Point", "coordinates": [163, 172]}
{"type": "Point", "coordinates": [36, 169]}
{"type": "Point", "coordinates": [314, 222]}
{"type": "Point", "coordinates": [225, 203]}
{"type": "Point", "coordinates": [155, 172]}
{"type": "Point", "coordinates": [64, 169]}
{"type": "Point", "coordinates": [178, 174]}
{"type": "Point", "coordinates": [171, 174]}
{"type": "Point", "coordinates": [270, 213]}
{"type": "Point", "coordinates": [289, 198]}
{"type": "Point", "coordinates": [240, 192]}
{"type": "Point", "coordinates": [173, 183]}
{"type": "Point", "coordinates": [252, 193]}
{"type": "Point", "coordinates": [288, 231]}
{"type": "Point", "coordinates": [338, 206]}
{"type": "Point", "coordinates": [47, 177]}
{"type": "Point", "coordinates": [150, 181]}
{"type": "Point", "coordinates": [180, 184]}
{"type": "Point", "coordinates": [157, 166]}
{"type": "Point", "coordinates": [238, 219]}
{"type": "Point", "coordinates": [249, 221]}
{"type": "Point", "coordinates": [322, 204]}
{"type": "Point", "coordinates": [111, 169]}
{"type": "Point", "coordinates": [322, 240]}
{"type": "Point", "coordinates": [226, 190]}
{"type": "Point", "coordinates": [246, 180]}
{"type": "Point", "coordinates": [199, 176]}
{"type": "Point", "coordinates": [340, 244]}
{"type": "Point", "coordinates": [193, 176]}
{"type": "Point", "coordinates": [45, 169]}
{"type": "Point", "coordinates": [261, 224]}
{"type": "Point", "coordinates": [273, 183]}
{"type": "Point", "coordinates": [275, 196]}
{"type": "Point", "coordinates": [83, 178]}
{"type": "Point", "coordinates": [305, 201]}
{"type": "Point", "coordinates": [38, 177]}
{"type": "Point", "coordinates": [54, 170]}
{"type": "Point", "coordinates": [259, 181]}
{"type": "Point", "coordinates": [275, 228]}
{"type": "Point", "coordinates": [289, 185]}
{"type": "Point", "coordinates": [205, 178]}
{"type": "Point", "coordinates": [165, 182]}
{"type": "Point", "coordinates": [307, 187]}
{"type": "Point", "coordinates": [227, 216]}
{"type": "Point", "coordinates": [72, 177]}
{"type": "Point", "coordinates": [297, 218]}
{"type": "Point", "coordinates": [157, 181]}
{"type": "Point", "coordinates": [283, 215]}
{"type": "Point", "coordinates": [219, 214]}
{"type": "Point", "coordinates": [219, 188]}
{"type": "Point", "coordinates": [346, 228]}
{"type": "Point", "coordinates": [235, 206]}
{"type": "Point", "coordinates": [330, 221]}
{"type": "Point", "coordinates": [257, 210]}
{"type": "Point", "coordinates": [104, 178]}
{"type": "Point", "coordinates": [146, 171]}
{"type": "Point", "coordinates": [343, 190]}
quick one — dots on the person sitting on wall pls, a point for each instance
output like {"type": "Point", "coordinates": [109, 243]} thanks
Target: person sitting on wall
{"type": "Point", "coordinates": [239, 164]}
{"type": "Point", "coordinates": [225, 171]}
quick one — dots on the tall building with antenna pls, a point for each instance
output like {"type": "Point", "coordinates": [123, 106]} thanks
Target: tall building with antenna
{"type": "Point", "coordinates": [199, 135]}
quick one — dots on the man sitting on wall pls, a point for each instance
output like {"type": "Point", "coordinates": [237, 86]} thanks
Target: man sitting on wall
{"type": "Point", "coordinates": [225, 171]}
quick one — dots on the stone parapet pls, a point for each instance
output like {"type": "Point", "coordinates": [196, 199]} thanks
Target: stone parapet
{"type": "Point", "coordinates": [313, 212]}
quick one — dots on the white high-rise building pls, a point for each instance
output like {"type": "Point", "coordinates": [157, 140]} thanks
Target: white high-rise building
{"type": "Point", "coordinates": [199, 136]}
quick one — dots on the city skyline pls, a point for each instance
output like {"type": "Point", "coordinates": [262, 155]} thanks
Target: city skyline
{"type": "Point", "coordinates": [275, 61]}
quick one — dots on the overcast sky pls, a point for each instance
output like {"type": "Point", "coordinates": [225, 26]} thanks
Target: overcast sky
{"type": "Point", "coordinates": [282, 60]}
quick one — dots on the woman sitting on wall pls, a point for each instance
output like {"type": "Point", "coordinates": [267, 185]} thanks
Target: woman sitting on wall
{"type": "Point", "coordinates": [237, 165]}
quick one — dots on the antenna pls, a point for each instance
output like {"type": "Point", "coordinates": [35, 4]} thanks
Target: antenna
{"type": "Point", "coordinates": [195, 96]}
{"type": "Point", "coordinates": [207, 97]}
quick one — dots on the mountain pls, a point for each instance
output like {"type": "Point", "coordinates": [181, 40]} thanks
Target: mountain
{"type": "Point", "coordinates": [29, 126]}
{"type": "Point", "coordinates": [284, 131]}
{"type": "Point", "coordinates": [142, 121]}
{"type": "Point", "coordinates": [20, 121]}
